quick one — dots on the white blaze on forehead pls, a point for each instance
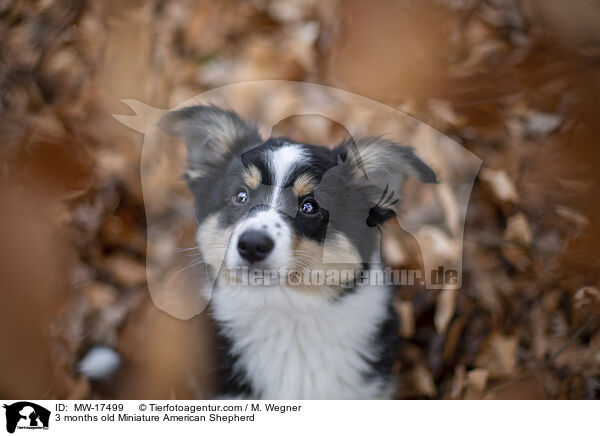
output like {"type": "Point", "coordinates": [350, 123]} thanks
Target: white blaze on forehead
{"type": "Point", "coordinates": [283, 160]}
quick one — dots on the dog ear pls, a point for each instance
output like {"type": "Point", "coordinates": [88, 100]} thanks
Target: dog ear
{"type": "Point", "coordinates": [212, 135]}
{"type": "Point", "coordinates": [380, 168]}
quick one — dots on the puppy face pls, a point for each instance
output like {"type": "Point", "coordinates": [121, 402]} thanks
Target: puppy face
{"type": "Point", "coordinates": [277, 205]}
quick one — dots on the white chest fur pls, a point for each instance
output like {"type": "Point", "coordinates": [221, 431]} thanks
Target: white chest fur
{"type": "Point", "coordinates": [293, 345]}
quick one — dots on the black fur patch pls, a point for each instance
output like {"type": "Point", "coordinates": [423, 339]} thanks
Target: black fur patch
{"type": "Point", "coordinates": [233, 381]}
{"type": "Point", "coordinates": [387, 341]}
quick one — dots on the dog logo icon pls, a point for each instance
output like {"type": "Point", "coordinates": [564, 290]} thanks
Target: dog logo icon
{"type": "Point", "coordinates": [26, 415]}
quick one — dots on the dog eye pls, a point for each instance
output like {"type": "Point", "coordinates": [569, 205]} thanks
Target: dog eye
{"type": "Point", "coordinates": [309, 207]}
{"type": "Point", "coordinates": [241, 196]}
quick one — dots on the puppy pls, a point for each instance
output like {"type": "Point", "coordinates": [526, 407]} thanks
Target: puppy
{"type": "Point", "coordinates": [289, 231]}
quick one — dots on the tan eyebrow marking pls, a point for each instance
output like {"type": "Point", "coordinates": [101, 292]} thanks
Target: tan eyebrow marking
{"type": "Point", "coordinates": [304, 184]}
{"type": "Point", "coordinates": [252, 176]}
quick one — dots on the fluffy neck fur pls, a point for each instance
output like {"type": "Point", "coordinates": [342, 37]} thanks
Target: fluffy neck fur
{"type": "Point", "coordinates": [280, 343]}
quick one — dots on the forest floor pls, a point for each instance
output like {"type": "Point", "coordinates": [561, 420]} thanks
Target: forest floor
{"type": "Point", "coordinates": [516, 83]}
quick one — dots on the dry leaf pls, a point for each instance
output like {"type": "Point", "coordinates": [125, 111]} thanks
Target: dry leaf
{"type": "Point", "coordinates": [422, 382]}
{"type": "Point", "coordinates": [498, 355]}
{"type": "Point", "coordinates": [586, 303]}
{"type": "Point", "coordinates": [458, 382]}
{"type": "Point", "coordinates": [518, 229]}
{"type": "Point", "coordinates": [100, 295]}
{"type": "Point", "coordinates": [444, 309]}
{"type": "Point", "coordinates": [406, 314]}
{"type": "Point", "coordinates": [542, 124]}
{"type": "Point", "coordinates": [127, 271]}
{"type": "Point", "coordinates": [477, 379]}
{"type": "Point", "coordinates": [501, 184]}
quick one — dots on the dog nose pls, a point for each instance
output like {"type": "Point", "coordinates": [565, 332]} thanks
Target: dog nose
{"type": "Point", "coordinates": [254, 245]}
